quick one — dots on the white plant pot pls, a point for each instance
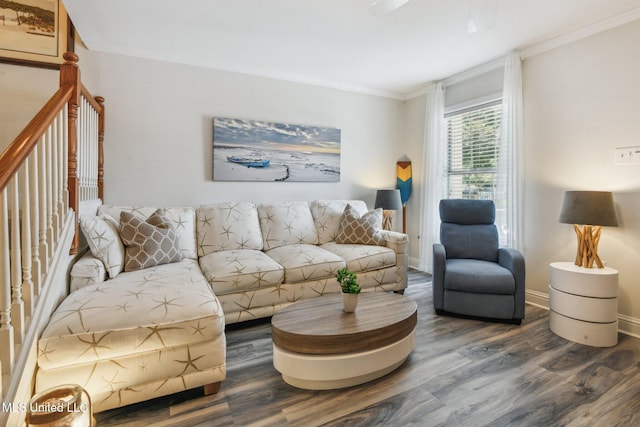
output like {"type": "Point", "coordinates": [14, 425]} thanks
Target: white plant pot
{"type": "Point", "coordinates": [350, 301]}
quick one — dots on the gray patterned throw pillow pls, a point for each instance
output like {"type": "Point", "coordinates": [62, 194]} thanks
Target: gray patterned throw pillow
{"type": "Point", "coordinates": [360, 230]}
{"type": "Point", "coordinates": [148, 243]}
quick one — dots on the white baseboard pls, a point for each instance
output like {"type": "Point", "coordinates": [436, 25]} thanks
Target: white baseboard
{"type": "Point", "coordinates": [539, 299]}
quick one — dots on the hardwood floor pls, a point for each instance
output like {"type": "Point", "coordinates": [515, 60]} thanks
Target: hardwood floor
{"type": "Point", "coordinates": [461, 373]}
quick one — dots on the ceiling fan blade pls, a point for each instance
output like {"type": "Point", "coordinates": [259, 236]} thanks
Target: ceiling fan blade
{"type": "Point", "coordinates": [482, 15]}
{"type": "Point", "coordinates": [385, 7]}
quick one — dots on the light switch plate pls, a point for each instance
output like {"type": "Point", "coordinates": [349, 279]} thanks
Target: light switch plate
{"type": "Point", "coordinates": [628, 155]}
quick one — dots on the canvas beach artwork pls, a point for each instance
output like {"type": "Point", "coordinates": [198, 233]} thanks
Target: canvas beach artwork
{"type": "Point", "coordinates": [251, 150]}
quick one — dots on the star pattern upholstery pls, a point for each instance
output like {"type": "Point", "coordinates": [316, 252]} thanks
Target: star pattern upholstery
{"type": "Point", "coordinates": [113, 338]}
{"type": "Point", "coordinates": [159, 330]}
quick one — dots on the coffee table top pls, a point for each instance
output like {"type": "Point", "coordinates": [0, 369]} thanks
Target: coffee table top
{"type": "Point", "coordinates": [320, 326]}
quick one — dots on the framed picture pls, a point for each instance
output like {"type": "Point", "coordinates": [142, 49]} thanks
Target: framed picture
{"type": "Point", "coordinates": [250, 150]}
{"type": "Point", "coordinates": [34, 32]}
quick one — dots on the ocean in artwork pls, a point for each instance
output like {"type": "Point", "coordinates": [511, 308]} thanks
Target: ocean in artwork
{"type": "Point", "coordinates": [250, 150]}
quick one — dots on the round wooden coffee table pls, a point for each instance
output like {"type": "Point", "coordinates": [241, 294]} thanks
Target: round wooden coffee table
{"type": "Point", "coordinates": [317, 346]}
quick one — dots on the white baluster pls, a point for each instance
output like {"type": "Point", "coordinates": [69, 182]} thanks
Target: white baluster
{"type": "Point", "coordinates": [61, 162]}
{"type": "Point", "coordinates": [51, 237]}
{"type": "Point", "coordinates": [17, 309]}
{"type": "Point", "coordinates": [65, 157]}
{"type": "Point", "coordinates": [25, 221]}
{"type": "Point", "coordinates": [6, 329]}
{"type": "Point", "coordinates": [35, 221]}
{"type": "Point", "coordinates": [42, 204]}
{"type": "Point", "coordinates": [55, 218]}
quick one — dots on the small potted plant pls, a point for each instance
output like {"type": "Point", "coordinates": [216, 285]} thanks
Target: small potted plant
{"type": "Point", "coordinates": [350, 289]}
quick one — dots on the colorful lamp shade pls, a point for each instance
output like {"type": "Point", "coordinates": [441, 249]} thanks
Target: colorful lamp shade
{"type": "Point", "coordinates": [592, 210]}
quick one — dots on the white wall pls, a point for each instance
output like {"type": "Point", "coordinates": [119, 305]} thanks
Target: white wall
{"type": "Point", "coordinates": [581, 101]}
{"type": "Point", "coordinates": [23, 91]}
{"type": "Point", "coordinates": [414, 121]}
{"type": "Point", "coordinates": [158, 141]}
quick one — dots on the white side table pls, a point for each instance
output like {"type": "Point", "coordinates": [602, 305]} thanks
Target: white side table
{"type": "Point", "coordinates": [584, 304]}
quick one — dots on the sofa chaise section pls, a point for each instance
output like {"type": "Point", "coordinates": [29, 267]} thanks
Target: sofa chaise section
{"type": "Point", "coordinates": [129, 336]}
{"type": "Point", "coordinates": [138, 336]}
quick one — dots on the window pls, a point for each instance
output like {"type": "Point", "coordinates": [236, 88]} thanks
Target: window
{"type": "Point", "coordinates": [473, 142]}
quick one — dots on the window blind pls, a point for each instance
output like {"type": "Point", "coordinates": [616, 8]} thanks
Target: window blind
{"type": "Point", "coordinates": [473, 143]}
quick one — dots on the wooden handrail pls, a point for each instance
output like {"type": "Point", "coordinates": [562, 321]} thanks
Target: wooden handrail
{"type": "Point", "coordinates": [14, 156]}
{"type": "Point", "coordinates": [93, 101]}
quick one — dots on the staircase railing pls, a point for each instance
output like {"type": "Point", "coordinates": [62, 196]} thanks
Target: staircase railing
{"type": "Point", "coordinates": [52, 166]}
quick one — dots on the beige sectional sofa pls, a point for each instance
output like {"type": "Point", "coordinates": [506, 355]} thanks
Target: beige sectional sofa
{"type": "Point", "coordinates": [128, 336]}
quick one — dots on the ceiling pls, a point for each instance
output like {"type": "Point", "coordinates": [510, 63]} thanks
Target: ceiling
{"type": "Point", "coordinates": [336, 43]}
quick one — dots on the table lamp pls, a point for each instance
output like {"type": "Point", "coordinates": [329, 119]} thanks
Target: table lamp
{"type": "Point", "coordinates": [592, 210]}
{"type": "Point", "coordinates": [389, 201]}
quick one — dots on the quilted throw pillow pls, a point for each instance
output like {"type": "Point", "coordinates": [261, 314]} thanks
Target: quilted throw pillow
{"type": "Point", "coordinates": [360, 230]}
{"type": "Point", "coordinates": [104, 242]}
{"type": "Point", "coordinates": [148, 243]}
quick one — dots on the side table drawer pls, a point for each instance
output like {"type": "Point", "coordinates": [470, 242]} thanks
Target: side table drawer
{"type": "Point", "coordinates": [589, 309]}
{"type": "Point", "coordinates": [593, 334]}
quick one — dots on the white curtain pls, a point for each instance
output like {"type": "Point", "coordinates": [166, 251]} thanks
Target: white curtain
{"type": "Point", "coordinates": [433, 175]}
{"type": "Point", "coordinates": [511, 156]}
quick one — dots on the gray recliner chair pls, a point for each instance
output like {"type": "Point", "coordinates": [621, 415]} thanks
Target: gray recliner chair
{"type": "Point", "coordinates": [472, 276]}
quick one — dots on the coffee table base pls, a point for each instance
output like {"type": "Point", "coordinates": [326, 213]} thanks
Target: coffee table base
{"type": "Point", "coordinates": [326, 372]}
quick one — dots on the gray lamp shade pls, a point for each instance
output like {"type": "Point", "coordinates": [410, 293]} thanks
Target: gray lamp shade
{"type": "Point", "coordinates": [588, 208]}
{"type": "Point", "coordinates": [388, 200]}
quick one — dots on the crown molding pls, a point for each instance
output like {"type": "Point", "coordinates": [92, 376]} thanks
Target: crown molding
{"type": "Point", "coordinates": [590, 30]}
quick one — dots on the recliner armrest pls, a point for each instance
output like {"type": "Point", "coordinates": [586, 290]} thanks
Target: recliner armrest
{"type": "Point", "coordinates": [439, 266]}
{"type": "Point", "coordinates": [513, 260]}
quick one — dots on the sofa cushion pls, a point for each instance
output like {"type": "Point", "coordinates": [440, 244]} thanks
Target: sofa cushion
{"type": "Point", "coordinates": [227, 226]}
{"type": "Point", "coordinates": [162, 307]}
{"type": "Point", "coordinates": [182, 219]}
{"type": "Point", "coordinates": [327, 215]}
{"type": "Point", "coordinates": [303, 262]}
{"type": "Point", "coordinates": [104, 241]}
{"type": "Point", "coordinates": [360, 230]}
{"type": "Point", "coordinates": [362, 258]}
{"type": "Point", "coordinates": [286, 223]}
{"type": "Point", "coordinates": [239, 270]}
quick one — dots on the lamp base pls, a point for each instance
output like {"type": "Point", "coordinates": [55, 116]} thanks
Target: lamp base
{"type": "Point", "coordinates": [387, 219]}
{"type": "Point", "coordinates": [588, 239]}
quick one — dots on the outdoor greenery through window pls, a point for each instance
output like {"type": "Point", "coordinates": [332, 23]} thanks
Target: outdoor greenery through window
{"type": "Point", "coordinates": [473, 142]}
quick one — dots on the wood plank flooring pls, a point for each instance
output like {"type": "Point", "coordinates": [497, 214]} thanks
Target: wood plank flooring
{"type": "Point", "coordinates": [461, 373]}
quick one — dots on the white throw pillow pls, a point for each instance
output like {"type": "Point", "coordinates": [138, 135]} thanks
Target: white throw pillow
{"type": "Point", "coordinates": [104, 241]}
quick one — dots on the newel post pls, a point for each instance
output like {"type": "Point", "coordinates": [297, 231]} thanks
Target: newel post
{"type": "Point", "coordinates": [70, 76]}
{"type": "Point", "coordinates": [100, 101]}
